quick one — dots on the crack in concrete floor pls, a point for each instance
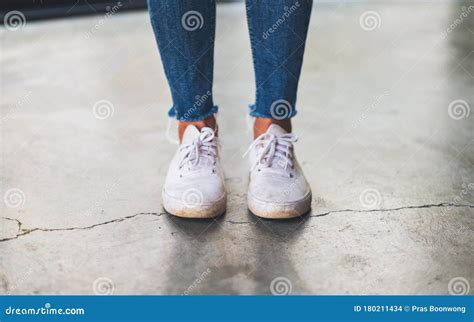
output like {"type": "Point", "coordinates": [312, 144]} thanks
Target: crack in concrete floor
{"type": "Point", "coordinates": [23, 232]}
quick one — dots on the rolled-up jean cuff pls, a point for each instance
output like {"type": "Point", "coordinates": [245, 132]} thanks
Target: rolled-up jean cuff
{"type": "Point", "coordinates": [172, 113]}
{"type": "Point", "coordinates": [276, 116]}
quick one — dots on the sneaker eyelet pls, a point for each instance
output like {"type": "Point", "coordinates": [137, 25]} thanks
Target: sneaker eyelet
{"type": "Point", "coordinates": [291, 175]}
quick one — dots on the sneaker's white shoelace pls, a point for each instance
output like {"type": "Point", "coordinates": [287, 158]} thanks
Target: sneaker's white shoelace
{"type": "Point", "coordinates": [204, 146]}
{"type": "Point", "coordinates": [274, 148]}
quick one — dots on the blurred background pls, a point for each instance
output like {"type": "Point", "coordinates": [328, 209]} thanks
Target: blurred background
{"type": "Point", "coordinates": [42, 9]}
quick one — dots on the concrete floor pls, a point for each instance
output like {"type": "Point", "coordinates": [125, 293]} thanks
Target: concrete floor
{"type": "Point", "coordinates": [82, 208]}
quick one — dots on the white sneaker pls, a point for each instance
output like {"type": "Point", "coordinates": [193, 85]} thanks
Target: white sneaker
{"type": "Point", "coordinates": [194, 186]}
{"type": "Point", "coordinates": [277, 187]}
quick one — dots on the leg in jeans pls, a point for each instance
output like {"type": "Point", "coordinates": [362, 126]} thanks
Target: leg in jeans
{"type": "Point", "coordinates": [278, 30]}
{"type": "Point", "coordinates": [185, 31]}
{"type": "Point", "coordinates": [278, 188]}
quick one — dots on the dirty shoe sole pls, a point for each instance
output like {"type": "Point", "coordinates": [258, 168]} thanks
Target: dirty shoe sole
{"type": "Point", "coordinates": [272, 210]}
{"type": "Point", "coordinates": [178, 208]}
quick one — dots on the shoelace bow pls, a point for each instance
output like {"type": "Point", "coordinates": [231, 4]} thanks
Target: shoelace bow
{"type": "Point", "coordinates": [204, 146]}
{"type": "Point", "coordinates": [274, 147]}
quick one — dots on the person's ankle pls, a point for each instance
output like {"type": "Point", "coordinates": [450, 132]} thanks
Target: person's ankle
{"type": "Point", "coordinates": [261, 125]}
{"type": "Point", "coordinates": [209, 122]}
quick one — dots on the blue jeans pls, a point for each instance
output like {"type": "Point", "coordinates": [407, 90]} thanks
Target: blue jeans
{"type": "Point", "coordinates": [185, 32]}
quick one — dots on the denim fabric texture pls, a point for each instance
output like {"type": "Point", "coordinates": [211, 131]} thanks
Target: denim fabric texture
{"type": "Point", "coordinates": [185, 34]}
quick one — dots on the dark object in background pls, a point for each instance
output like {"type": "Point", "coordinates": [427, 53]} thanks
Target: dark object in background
{"type": "Point", "coordinates": [40, 9]}
{"type": "Point", "coordinates": [43, 9]}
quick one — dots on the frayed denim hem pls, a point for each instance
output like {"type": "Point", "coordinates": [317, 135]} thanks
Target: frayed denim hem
{"type": "Point", "coordinates": [278, 115]}
{"type": "Point", "coordinates": [173, 113]}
